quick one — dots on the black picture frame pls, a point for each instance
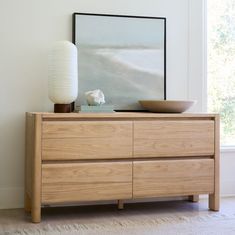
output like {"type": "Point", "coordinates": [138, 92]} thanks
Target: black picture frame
{"type": "Point", "coordinates": [129, 16]}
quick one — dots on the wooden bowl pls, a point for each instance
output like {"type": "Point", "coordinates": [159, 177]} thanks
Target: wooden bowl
{"type": "Point", "coordinates": [167, 106]}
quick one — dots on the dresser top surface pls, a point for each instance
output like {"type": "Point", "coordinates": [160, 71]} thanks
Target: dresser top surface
{"type": "Point", "coordinates": [116, 115]}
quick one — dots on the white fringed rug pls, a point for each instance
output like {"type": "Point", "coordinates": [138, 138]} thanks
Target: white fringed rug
{"type": "Point", "coordinates": [189, 223]}
{"type": "Point", "coordinates": [164, 218]}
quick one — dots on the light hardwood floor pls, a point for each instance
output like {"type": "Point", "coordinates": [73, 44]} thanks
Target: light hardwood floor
{"type": "Point", "coordinates": [174, 217]}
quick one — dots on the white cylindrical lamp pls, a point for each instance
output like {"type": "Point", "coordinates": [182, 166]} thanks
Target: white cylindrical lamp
{"type": "Point", "coordinates": [63, 76]}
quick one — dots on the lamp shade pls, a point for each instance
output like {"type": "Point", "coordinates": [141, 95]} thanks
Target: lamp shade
{"type": "Point", "coordinates": [63, 73]}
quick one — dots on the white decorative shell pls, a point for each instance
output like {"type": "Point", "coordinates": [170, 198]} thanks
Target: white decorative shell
{"type": "Point", "coordinates": [63, 73]}
{"type": "Point", "coordinates": [95, 97]}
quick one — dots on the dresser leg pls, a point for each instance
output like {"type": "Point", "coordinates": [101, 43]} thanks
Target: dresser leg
{"type": "Point", "coordinates": [214, 202]}
{"type": "Point", "coordinates": [27, 203]}
{"type": "Point", "coordinates": [193, 198]}
{"type": "Point", "coordinates": [120, 204]}
{"type": "Point", "coordinates": [37, 171]}
{"type": "Point", "coordinates": [36, 214]}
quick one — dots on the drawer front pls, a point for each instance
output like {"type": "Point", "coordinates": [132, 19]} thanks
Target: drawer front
{"type": "Point", "coordinates": [86, 140]}
{"type": "Point", "coordinates": [173, 138]}
{"type": "Point", "coordinates": [73, 182]}
{"type": "Point", "coordinates": [172, 177]}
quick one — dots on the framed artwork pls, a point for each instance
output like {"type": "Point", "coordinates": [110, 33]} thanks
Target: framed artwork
{"type": "Point", "coordinates": [124, 56]}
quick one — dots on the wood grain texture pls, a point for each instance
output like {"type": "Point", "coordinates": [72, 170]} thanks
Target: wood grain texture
{"type": "Point", "coordinates": [214, 199]}
{"type": "Point", "coordinates": [172, 178]}
{"type": "Point", "coordinates": [86, 140]}
{"type": "Point", "coordinates": [36, 171]}
{"type": "Point", "coordinates": [85, 129]}
{"type": "Point", "coordinates": [29, 154]}
{"type": "Point", "coordinates": [73, 182]}
{"type": "Point", "coordinates": [92, 157]}
{"type": "Point", "coordinates": [120, 115]}
{"type": "Point", "coordinates": [173, 138]}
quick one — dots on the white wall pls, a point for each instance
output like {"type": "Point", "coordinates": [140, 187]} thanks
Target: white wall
{"type": "Point", "coordinates": [29, 27]}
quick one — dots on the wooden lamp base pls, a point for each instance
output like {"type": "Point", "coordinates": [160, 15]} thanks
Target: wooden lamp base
{"type": "Point", "coordinates": [63, 108]}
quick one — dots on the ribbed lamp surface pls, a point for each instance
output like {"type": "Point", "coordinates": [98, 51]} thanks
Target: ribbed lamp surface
{"type": "Point", "coordinates": [63, 73]}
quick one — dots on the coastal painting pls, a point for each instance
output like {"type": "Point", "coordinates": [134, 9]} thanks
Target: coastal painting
{"type": "Point", "coordinates": [122, 56]}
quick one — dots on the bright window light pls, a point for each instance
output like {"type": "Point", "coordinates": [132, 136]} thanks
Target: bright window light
{"type": "Point", "coordinates": [221, 65]}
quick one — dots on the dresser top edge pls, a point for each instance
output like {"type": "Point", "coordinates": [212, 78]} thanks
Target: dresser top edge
{"type": "Point", "coordinates": [121, 115]}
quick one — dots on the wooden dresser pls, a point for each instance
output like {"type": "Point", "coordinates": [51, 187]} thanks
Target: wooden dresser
{"type": "Point", "coordinates": [79, 157]}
